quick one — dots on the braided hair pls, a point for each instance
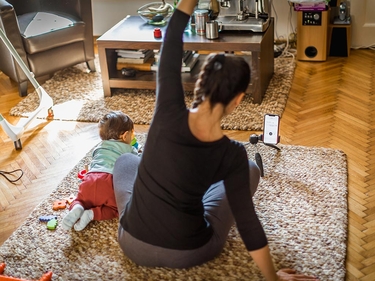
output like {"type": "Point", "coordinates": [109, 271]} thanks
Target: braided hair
{"type": "Point", "coordinates": [114, 124]}
{"type": "Point", "coordinates": [221, 79]}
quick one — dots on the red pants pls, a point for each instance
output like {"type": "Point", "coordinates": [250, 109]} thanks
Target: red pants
{"type": "Point", "coordinates": [96, 193]}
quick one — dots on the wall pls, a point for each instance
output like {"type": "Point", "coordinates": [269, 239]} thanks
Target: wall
{"type": "Point", "coordinates": [107, 13]}
{"type": "Point", "coordinates": [285, 18]}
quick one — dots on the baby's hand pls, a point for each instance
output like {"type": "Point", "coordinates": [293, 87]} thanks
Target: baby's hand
{"type": "Point", "coordinates": [140, 150]}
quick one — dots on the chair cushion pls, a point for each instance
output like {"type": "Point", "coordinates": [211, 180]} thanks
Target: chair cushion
{"type": "Point", "coordinates": [46, 30]}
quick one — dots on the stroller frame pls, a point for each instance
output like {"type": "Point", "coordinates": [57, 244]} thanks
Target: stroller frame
{"type": "Point", "coordinates": [45, 101]}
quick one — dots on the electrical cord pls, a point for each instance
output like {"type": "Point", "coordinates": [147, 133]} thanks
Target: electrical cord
{"type": "Point", "coordinates": [286, 51]}
{"type": "Point", "coordinates": [11, 173]}
{"type": "Point", "coordinates": [371, 47]}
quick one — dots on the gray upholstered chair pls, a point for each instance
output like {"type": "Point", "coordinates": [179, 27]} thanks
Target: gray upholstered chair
{"type": "Point", "coordinates": [49, 35]}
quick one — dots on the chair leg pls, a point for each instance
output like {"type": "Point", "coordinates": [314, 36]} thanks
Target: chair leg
{"type": "Point", "coordinates": [91, 65]}
{"type": "Point", "coordinates": [22, 89]}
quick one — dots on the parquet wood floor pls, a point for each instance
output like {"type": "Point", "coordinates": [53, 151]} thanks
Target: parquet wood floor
{"type": "Point", "coordinates": [331, 104]}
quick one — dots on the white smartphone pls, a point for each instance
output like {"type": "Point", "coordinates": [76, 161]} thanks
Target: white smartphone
{"type": "Point", "coordinates": [271, 129]}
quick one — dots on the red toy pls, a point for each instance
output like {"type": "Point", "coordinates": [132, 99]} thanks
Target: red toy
{"type": "Point", "coordinates": [46, 276]}
{"type": "Point", "coordinates": [157, 33]}
{"type": "Point", "coordinates": [81, 174]}
{"type": "Point", "coordinates": [50, 114]}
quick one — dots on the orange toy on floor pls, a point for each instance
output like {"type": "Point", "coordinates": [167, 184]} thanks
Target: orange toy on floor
{"type": "Point", "coordinates": [59, 205]}
{"type": "Point", "coordinates": [46, 276]}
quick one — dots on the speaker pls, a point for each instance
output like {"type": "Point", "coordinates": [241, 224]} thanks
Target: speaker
{"type": "Point", "coordinates": [339, 40]}
{"type": "Point", "coordinates": [312, 35]}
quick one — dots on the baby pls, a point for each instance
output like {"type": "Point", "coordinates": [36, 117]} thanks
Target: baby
{"type": "Point", "coordinates": [96, 199]}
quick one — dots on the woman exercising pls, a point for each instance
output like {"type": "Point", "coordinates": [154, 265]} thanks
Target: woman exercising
{"type": "Point", "coordinates": [178, 201]}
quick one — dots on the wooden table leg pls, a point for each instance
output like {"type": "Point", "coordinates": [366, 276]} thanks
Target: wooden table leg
{"type": "Point", "coordinates": [262, 63]}
{"type": "Point", "coordinates": [256, 92]}
{"type": "Point", "coordinates": [104, 69]}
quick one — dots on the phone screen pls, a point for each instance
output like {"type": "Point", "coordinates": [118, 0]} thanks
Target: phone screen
{"type": "Point", "coordinates": [271, 129]}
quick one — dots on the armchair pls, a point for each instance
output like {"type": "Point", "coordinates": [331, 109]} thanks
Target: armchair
{"type": "Point", "coordinates": [48, 36]}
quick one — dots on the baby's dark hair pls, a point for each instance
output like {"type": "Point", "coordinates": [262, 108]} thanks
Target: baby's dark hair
{"type": "Point", "coordinates": [114, 124]}
{"type": "Point", "coordinates": [221, 79]}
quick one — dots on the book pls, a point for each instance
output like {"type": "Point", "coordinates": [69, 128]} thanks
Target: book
{"type": "Point", "coordinates": [186, 56]}
{"type": "Point", "coordinates": [190, 65]}
{"type": "Point", "coordinates": [132, 52]}
{"type": "Point", "coordinates": [187, 68]}
{"type": "Point", "coordinates": [136, 60]}
{"type": "Point", "coordinates": [146, 66]}
{"type": "Point", "coordinates": [186, 59]}
{"type": "Point", "coordinates": [134, 55]}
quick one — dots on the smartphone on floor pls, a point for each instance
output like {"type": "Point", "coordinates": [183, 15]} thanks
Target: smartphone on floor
{"type": "Point", "coordinates": [271, 129]}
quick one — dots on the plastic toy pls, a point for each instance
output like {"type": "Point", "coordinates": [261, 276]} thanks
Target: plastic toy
{"type": "Point", "coordinates": [50, 220]}
{"type": "Point", "coordinates": [82, 173]}
{"type": "Point", "coordinates": [50, 114]}
{"type": "Point", "coordinates": [70, 199]}
{"type": "Point", "coordinates": [47, 218]}
{"type": "Point", "coordinates": [46, 276]}
{"type": "Point", "coordinates": [59, 205]}
{"type": "Point", "coordinates": [52, 224]}
{"type": "Point", "coordinates": [134, 143]}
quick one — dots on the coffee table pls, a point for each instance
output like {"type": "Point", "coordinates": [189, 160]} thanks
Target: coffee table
{"type": "Point", "coordinates": [133, 33]}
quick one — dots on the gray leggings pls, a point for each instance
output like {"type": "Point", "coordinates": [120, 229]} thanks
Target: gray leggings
{"type": "Point", "coordinates": [217, 213]}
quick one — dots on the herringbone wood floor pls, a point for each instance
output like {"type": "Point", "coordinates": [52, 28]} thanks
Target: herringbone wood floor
{"type": "Point", "coordinates": [331, 104]}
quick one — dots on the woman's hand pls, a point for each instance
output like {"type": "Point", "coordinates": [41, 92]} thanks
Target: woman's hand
{"type": "Point", "coordinates": [187, 6]}
{"type": "Point", "coordinates": [287, 274]}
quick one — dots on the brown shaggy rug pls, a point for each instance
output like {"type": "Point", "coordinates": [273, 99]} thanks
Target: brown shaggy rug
{"type": "Point", "coordinates": [301, 202]}
{"type": "Point", "coordinates": [78, 95]}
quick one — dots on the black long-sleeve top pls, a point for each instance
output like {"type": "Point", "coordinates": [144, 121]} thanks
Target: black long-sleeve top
{"type": "Point", "coordinates": [177, 169]}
